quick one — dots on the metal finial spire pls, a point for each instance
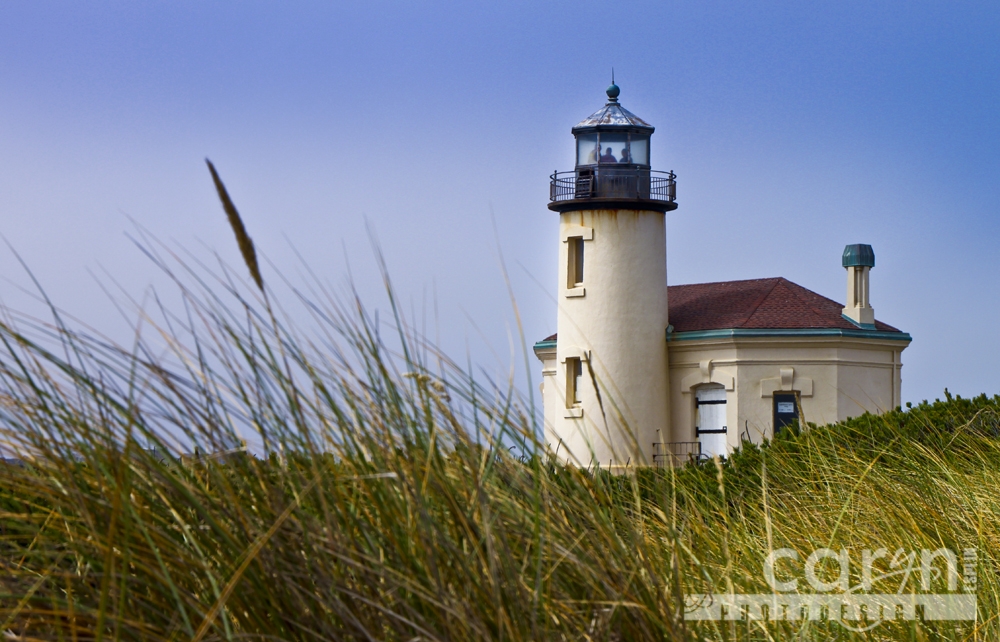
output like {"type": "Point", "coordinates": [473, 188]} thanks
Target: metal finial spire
{"type": "Point", "coordinates": [613, 90]}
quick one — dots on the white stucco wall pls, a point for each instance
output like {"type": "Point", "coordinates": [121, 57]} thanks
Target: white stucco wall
{"type": "Point", "coordinates": [616, 322]}
{"type": "Point", "coordinates": [837, 378]}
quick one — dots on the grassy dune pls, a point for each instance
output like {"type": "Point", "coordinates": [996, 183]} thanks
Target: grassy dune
{"type": "Point", "coordinates": [390, 506]}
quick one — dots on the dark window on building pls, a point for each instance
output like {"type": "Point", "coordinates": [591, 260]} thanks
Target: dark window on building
{"type": "Point", "coordinates": [575, 262]}
{"type": "Point", "coordinates": [786, 409]}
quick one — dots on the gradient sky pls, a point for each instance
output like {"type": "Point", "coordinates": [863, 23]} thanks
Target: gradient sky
{"type": "Point", "coordinates": [795, 128]}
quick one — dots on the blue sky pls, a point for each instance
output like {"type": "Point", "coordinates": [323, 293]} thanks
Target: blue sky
{"type": "Point", "coordinates": [794, 128]}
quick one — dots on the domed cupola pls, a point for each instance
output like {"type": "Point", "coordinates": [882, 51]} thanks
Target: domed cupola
{"type": "Point", "coordinates": [612, 165]}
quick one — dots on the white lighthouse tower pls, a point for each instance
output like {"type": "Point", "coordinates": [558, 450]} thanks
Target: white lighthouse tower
{"type": "Point", "coordinates": [605, 383]}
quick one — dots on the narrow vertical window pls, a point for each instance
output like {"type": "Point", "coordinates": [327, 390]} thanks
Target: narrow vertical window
{"type": "Point", "coordinates": [574, 379]}
{"type": "Point", "coordinates": [578, 260]}
{"type": "Point", "coordinates": [575, 267]}
{"type": "Point", "coordinates": [787, 409]}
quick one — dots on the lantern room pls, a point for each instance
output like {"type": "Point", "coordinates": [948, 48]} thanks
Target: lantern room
{"type": "Point", "coordinates": [612, 165]}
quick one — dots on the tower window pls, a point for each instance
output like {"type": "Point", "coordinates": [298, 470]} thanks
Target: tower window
{"type": "Point", "coordinates": [575, 267]}
{"type": "Point", "coordinates": [574, 381]}
{"type": "Point", "coordinates": [574, 236]}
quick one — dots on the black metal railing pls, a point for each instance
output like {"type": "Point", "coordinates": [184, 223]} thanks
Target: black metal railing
{"type": "Point", "coordinates": [676, 453]}
{"type": "Point", "coordinates": [613, 182]}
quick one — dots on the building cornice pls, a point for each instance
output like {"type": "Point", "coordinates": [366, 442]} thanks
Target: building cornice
{"type": "Point", "coordinates": [768, 333]}
{"type": "Point", "coordinates": [764, 333]}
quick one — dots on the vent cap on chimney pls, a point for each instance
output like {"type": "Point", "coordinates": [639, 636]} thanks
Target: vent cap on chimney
{"type": "Point", "coordinates": [859, 259]}
{"type": "Point", "coordinates": [859, 255]}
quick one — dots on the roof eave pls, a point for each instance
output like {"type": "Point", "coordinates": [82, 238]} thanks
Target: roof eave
{"type": "Point", "coordinates": [608, 127]}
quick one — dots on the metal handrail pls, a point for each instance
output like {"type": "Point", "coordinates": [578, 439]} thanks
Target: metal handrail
{"type": "Point", "coordinates": [676, 453]}
{"type": "Point", "coordinates": [613, 182]}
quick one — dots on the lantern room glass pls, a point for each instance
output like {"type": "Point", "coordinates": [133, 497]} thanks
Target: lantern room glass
{"type": "Point", "coordinates": [639, 150]}
{"type": "Point", "coordinates": [586, 149]}
{"type": "Point", "coordinates": [612, 148]}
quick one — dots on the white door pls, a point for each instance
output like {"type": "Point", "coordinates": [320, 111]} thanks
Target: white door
{"type": "Point", "coordinates": [710, 420]}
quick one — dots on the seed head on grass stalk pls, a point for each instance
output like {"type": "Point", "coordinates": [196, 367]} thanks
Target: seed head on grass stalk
{"type": "Point", "coordinates": [242, 238]}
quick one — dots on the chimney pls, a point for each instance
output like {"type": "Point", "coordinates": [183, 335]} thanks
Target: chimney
{"type": "Point", "coordinates": [859, 259]}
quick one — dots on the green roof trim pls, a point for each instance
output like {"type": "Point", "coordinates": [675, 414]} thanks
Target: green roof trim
{"type": "Point", "coordinates": [863, 326]}
{"type": "Point", "coordinates": [544, 345]}
{"type": "Point", "coordinates": [746, 333]}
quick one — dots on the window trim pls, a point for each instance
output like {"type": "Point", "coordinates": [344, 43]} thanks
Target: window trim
{"type": "Point", "coordinates": [575, 237]}
{"type": "Point", "coordinates": [574, 376]}
{"type": "Point", "coordinates": [573, 358]}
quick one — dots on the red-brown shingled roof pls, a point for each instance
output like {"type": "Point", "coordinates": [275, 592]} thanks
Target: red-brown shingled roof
{"type": "Point", "coordinates": [774, 303]}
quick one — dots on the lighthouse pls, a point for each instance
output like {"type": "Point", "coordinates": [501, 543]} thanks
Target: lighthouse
{"type": "Point", "coordinates": [625, 385]}
{"type": "Point", "coordinates": [605, 372]}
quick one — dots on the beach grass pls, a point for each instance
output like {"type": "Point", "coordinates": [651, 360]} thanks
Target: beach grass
{"type": "Point", "coordinates": [394, 495]}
